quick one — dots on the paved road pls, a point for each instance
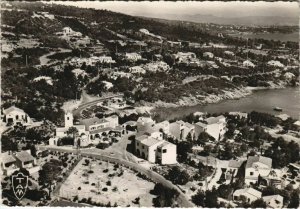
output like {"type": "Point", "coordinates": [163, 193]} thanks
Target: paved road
{"type": "Point", "coordinates": [182, 199]}
{"type": "Point", "coordinates": [76, 112]}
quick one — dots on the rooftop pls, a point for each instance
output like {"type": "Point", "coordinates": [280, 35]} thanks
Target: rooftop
{"type": "Point", "coordinates": [149, 141]}
{"type": "Point", "coordinates": [24, 156]}
{"type": "Point", "coordinates": [264, 160]}
{"type": "Point", "coordinates": [7, 158]}
{"type": "Point", "coordinates": [92, 121]}
{"type": "Point", "coordinates": [235, 163]}
{"type": "Point", "coordinates": [250, 191]}
{"type": "Point", "coordinates": [12, 109]}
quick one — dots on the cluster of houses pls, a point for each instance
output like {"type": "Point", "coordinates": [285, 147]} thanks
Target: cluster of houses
{"type": "Point", "coordinates": [11, 162]}
{"type": "Point", "coordinates": [89, 131]}
{"type": "Point", "coordinates": [259, 168]}
{"type": "Point", "coordinates": [92, 61]}
{"type": "Point", "coordinates": [150, 143]}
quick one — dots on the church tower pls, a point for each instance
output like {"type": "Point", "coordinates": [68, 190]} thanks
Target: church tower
{"type": "Point", "coordinates": [68, 119]}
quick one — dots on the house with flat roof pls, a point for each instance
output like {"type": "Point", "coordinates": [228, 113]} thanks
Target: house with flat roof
{"type": "Point", "coordinates": [214, 126]}
{"type": "Point", "coordinates": [257, 166]}
{"type": "Point", "coordinates": [155, 150]}
{"type": "Point", "coordinates": [181, 130]}
{"type": "Point", "coordinates": [166, 153]}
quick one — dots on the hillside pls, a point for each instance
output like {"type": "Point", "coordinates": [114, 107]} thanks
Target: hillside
{"type": "Point", "coordinates": [42, 45]}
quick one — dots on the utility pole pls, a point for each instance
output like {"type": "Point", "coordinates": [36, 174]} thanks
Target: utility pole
{"type": "Point", "coordinates": [26, 60]}
{"type": "Point", "coordinates": [247, 48]}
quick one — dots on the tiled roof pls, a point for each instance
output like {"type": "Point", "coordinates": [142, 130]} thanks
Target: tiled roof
{"type": "Point", "coordinates": [7, 158]}
{"type": "Point", "coordinates": [101, 130]}
{"type": "Point", "coordinates": [250, 191]}
{"type": "Point", "coordinates": [24, 156]}
{"type": "Point", "coordinates": [11, 109]}
{"type": "Point", "coordinates": [264, 160]}
{"type": "Point", "coordinates": [92, 121]}
{"type": "Point", "coordinates": [235, 163]}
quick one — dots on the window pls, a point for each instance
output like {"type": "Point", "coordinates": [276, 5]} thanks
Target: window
{"type": "Point", "coordinates": [251, 173]}
{"type": "Point", "coordinates": [143, 147]}
{"type": "Point", "coordinates": [137, 144]}
{"type": "Point", "coordinates": [17, 117]}
{"type": "Point", "coordinates": [164, 151]}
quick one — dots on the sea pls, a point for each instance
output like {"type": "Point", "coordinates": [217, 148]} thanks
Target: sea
{"type": "Point", "coordinates": [261, 101]}
{"type": "Point", "coordinates": [272, 36]}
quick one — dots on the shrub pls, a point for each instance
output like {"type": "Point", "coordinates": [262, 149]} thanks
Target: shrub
{"type": "Point", "coordinates": [65, 165]}
{"type": "Point", "coordinates": [105, 170]}
{"type": "Point", "coordinates": [90, 171]}
{"type": "Point", "coordinates": [93, 184]}
{"type": "Point", "coordinates": [108, 183]}
{"type": "Point", "coordinates": [104, 189]}
{"type": "Point", "coordinates": [75, 198]}
{"type": "Point", "coordinates": [79, 188]}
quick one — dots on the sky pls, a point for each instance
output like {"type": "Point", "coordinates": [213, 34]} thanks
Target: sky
{"type": "Point", "coordinates": [221, 9]}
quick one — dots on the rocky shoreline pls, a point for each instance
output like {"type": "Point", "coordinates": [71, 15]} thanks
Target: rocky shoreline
{"type": "Point", "coordinates": [229, 94]}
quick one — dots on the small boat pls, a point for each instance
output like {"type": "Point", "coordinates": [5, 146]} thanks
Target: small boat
{"type": "Point", "coordinates": [277, 109]}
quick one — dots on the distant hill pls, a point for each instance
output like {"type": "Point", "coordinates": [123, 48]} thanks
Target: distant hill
{"type": "Point", "coordinates": [246, 20]}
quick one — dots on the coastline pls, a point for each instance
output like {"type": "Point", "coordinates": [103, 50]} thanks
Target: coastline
{"type": "Point", "coordinates": [232, 94]}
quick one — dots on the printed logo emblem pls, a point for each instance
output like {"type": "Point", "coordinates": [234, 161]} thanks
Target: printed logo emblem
{"type": "Point", "coordinates": [19, 184]}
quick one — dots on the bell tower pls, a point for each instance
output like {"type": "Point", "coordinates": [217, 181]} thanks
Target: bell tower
{"type": "Point", "coordinates": [68, 119]}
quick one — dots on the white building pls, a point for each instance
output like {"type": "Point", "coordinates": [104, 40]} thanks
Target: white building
{"type": "Point", "coordinates": [180, 130]}
{"type": "Point", "coordinates": [62, 131]}
{"type": "Point", "coordinates": [133, 56]}
{"type": "Point", "coordinates": [137, 70]}
{"type": "Point", "coordinates": [11, 162]}
{"type": "Point", "coordinates": [208, 55]}
{"type": "Point", "coordinates": [166, 153]}
{"type": "Point", "coordinates": [144, 123]}
{"type": "Point", "coordinates": [229, 53]}
{"type": "Point", "coordinates": [239, 114]}
{"type": "Point", "coordinates": [184, 55]}
{"type": "Point", "coordinates": [105, 59]}
{"type": "Point", "coordinates": [274, 201]}
{"type": "Point", "coordinates": [155, 150]}
{"type": "Point", "coordinates": [274, 63]}
{"type": "Point", "coordinates": [249, 193]}
{"type": "Point", "coordinates": [77, 72]}
{"type": "Point", "coordinates": [157, 66]}
{"type": "Point", "coordinates": [14, 115]}
{"type": "Point", "coordinates": [248, 63]}
{"type": "Point", "coordinates": [163, 126]}
{"type": "Point", "coordinates": [214, 126]}
{"type": "Point", "coordinates": [96, 126]}
{"type": "Point", "coordinates": [257, 166]}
